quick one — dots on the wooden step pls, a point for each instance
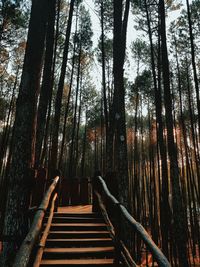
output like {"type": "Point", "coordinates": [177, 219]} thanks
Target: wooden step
{"type": "Point", "coordinates": [78, 215]}
{"type": "Point", "coordinates": [64, 219]}
{"type": "Point", "coordinates": [78, 234]}
{"type": "Point", "coordinates": [78, 262]}
{"type": "Point", "coordinates": [77, 226]}
{"type": "Point", "coordinates": [78, 239]}
{"type": "Point", "coordinates": [79, 242]}
{"type": "Point", "coordinates": [78, 253]}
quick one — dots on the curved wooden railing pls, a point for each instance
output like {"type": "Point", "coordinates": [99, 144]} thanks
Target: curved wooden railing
{"type": "Point", "coordinates": [118, 218]}
{"type": "Point", "coordinates": [23, 256]}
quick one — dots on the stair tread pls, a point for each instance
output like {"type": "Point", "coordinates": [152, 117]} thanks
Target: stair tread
{"type": "Point", "coordinates": [76, 220]}
{"type": "Point", "coordinates": [78, 239]}
{"type": "Point", "coordinates": [78, 261]}
{"type": "Point", "coordinates": [79, 232]}
{"type": "Point", "coordinates": [78, 224]}
{"type": "Point", "coordinates": [78, 250]}
{"type": "Point", "coordinates": [93, 214]}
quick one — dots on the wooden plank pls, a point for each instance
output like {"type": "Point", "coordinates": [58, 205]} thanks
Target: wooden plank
{"type": "Point", "coordinates": [83, 262]}
{"type": "Point", "coordinates": [80, 239]}
{"type": "Point", "coordinates": [44, 236]}
{"type": "Point", "coordinates": [78, 215]}
{"type": "Point", "coordinates": [23, 255]}
{"type": "Point", "coordinates": [78, 250]}
{"type": "Point", "coordinates": [78, 224]}
{"type": "Point", "coordinates": [78, 227]}
{"type": "Point", "coordinates": [70, 219]}
{"type": "Point", "coordinates": [78, 234]}
{"type": "Point", "coordinates": [76, 209]}
{"type": "Point", "coordinates": [79, 242]}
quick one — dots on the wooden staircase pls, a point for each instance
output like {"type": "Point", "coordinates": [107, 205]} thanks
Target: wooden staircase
{"type": "Point", "coordinates": [78, 239]}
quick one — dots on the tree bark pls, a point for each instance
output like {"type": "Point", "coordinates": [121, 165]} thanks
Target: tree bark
{"type": "Point", "coordinates": [58, 102]}
{"type": "Point", "coordinates": [23, 147]}
{"type": "Point", "coordinates": [196, 83]}
{"type": "Point", "coordinates": [118, 115]}
{"type": "Point", "coordinates": [180, 228]}
{"type": "Point", "coordinates": [47, 84]}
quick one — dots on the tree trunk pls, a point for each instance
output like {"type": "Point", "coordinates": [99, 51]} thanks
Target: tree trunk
{"type": "Point", "coordinates": [72, 146]}
{"type": "Point", "coordinates": [196, 83]}
{"type": "Point", "coordinates": [23, 148]}
{"type": "Point", "coordinates": [58, 102]}
{"type": "Point", "coordinates": [165, 213]}
{"type": "Point", "coordinates": [105, 106]}
{"type": "Point", "coordinates": [180, 228]}
{"type": "Point", "coordinates": [47, 84]}
{"type": "Point", "coordinates": [119, 47]}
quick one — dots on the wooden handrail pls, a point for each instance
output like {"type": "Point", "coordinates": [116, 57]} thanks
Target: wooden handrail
{"type": "Point", "coordinates": [101, 189]}
{"type": "Point", "coordinates": [23, 256]}
{"type": "Point", "coordinates": [42, 243]}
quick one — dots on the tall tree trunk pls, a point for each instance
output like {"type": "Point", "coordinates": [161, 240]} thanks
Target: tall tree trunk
{"type": "Point", "coordinates": [23, 148]}
{"type": "Point", "coordinates": [180, 228]}
{"type": "Point", "coordinates": [192, 123]}
{"type": "Point", "coordinates": [105, 105]}
{"type": "Point", "coordinates": [72, 146]}
{"type": "Point", "coordinates": [43, 153]}
{"type": "Point", "coordinates": [119, 47]}
{"type": "Point", "coordinates": [6, 131]}
{"type": "Point", "coordinates": [165, 210]}
{"type": "Point", "coordinates": [58, 102]}
{"type": "Point", "coordinates": [67, 109]}
{"type": "Point", "coordinates": [84, 147]}
{"type": "Point", "coordinates": [196, 83]}
{"type": "Point", "coordinates": [47, 83]}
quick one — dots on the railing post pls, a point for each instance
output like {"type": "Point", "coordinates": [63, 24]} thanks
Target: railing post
{"type": "Point", "coordinates": [39, 188]}
{"type": "Point", "coordinates": [84, 190]}
{"type": "Point", "coordinates": [75, 192]}
{"type": "Point", "coordinates": [117, 228]}
{"type": "Point", "coordinates": [65, 192]}
{"type": "Point", "coordinates": [95, 187]}
{"type": "Point", "coordinates": [57, 189]}
{"type": "Point", "coordinates": [95, 205]}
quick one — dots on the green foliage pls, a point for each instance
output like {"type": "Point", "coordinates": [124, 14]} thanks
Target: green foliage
{"type": "Point", "coordinates": [108, 50]}
{"type": "Point", "coordinates": [105, 7]}
{"type": "Point", "coordinates": [179, 35]}
{"type": "Point", "coordinates": [140, 50]}
{"type": "Point", "coordinates": [85, 29]}
{"type": "Point", "coordinates": [14, 16]}
{"type": "Point", "coordinates": [91, 102]}
{"type": "Point", "coordinates": [142, 85]}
